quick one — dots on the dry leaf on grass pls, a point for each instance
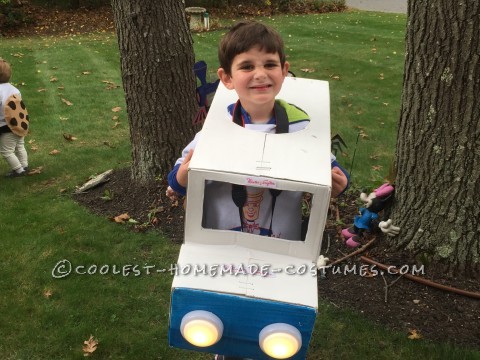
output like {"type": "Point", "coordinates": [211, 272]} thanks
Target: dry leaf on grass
{"type": "Point", "coordinates": [116, 109]}
{"type": "Point", "coordinates": [69, 137]}
{"type": "Point", "coordinates": [47, 293]}
{"type": "Point", "coordinates": [53, 79]}
{"type": "Point", "coordinates": [308, 70]}
{"type": "Point", "coordinates": [89, 346]}
{"type": "Point", "coordinates": [35, 171]}
{"type": "Point", "coordinates": [121, 218]}
{"type": "Point", "coordinates": [110, 85]}
{"type": "Point", "coordinates": [414, 334]}
{"type": "Point", "coordinates": [67, 102]}
{"type": "Point", "coordinates": [54, 152]}
{"type": "Point", "coordinates": [86, 72]}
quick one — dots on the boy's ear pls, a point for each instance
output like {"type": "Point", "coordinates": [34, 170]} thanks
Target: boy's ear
{"type": "Point", "coordinates": [286, 66]}
{"type": "Point", "coordinates": [225, 78]}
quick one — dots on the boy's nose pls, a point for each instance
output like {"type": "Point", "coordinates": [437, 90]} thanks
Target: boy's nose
{"type": "Point", "coordinates": [259, 72]}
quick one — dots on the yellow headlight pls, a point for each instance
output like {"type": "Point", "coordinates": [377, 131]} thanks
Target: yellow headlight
{"type": "Point", "coordinates": [201, 328]}
{"type": "Point", "coordinates": [280, 340]}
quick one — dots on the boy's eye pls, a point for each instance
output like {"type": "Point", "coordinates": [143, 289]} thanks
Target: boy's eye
{"type": "Point", "coordinates": [271, 65]}
{"type": "Point", "coordinates": [247, 67]}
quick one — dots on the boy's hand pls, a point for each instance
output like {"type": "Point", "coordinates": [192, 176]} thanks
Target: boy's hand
{"type": "Point", "coordinates": [171, 194]}
{"type": "Point", "coordinates": [339, 181]}
{"type": "Point", "coordinates": [182, 173]}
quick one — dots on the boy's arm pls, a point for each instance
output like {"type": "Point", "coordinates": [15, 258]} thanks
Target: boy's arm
{"type": "Point", "coordinates": [178, 176]}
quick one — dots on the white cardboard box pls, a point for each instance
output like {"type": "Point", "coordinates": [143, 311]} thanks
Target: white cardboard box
{"type": "Point", "coordinates": [234, 274]}
{"type": "Point", "coordinates": [297, 161]}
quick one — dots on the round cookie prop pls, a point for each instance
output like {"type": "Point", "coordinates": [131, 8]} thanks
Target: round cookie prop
{"type": "Point", "coordinates": [16, 115]}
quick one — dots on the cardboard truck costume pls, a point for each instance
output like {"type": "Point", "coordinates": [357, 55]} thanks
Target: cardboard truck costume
{"type": "Point", "coordinates": [237, 293]}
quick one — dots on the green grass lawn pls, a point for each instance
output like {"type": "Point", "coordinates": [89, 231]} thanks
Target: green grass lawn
{"type": "Point", "coordinates": [71, 85]}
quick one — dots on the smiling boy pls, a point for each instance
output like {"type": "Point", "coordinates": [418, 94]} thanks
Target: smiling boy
{"type": "Point", "coordinates": [252, 62]}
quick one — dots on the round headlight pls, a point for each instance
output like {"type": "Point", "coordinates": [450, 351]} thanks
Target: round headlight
{"type": "Point", "coordinates": [280, 340]}
{"type": "Point", "coordinates": [201, 328]}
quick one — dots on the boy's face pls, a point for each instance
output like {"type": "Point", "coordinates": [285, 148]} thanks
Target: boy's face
{"type": "Point", "coordinates": [256, 76]}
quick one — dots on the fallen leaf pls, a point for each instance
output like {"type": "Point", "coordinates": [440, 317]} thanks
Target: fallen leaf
{"type": "Point", "coordinates": [89, 346]}
{"type": "Point", "coordinates": [54, 152]}
{"type": "Point", "coordinates": [37, 170]}
{"type": "Point", "coordinates": [308, 70]}
{"type": "Point", "coordinates": [61, 87]}
{"type": "Point", "coordinates": [115, 125]}
{"type": "Point", "coordinates": [115, 118]}
{"type": "Point", "coordinates": [414, 334]}
{"type": "Point", "coordinates": [53, 79]}
{"type": "Point", "coordinates": [117, 109]}
{"type": "Point", "coordinates": [381, 77]}
{"type": "Point", "coordinates": [69, 137]}
{"type": "Point", "coordinates": [86, 72]}
{"type": "Point", "coordinates": [63, 118]}
{"type": "Point", "coordinates": [110, 85]}
{"type": "Point", "coordinates": [47, 293]}
{"type": "Point", "coordinates": [362, 134]}
{"type": "Point", "coordinates": [335, 77]}
{"type": "Point", "coordinates": [67, 102]}
{"type": "Point", "coordinates": [376, 167]}
{"type": "Point", "coordinates": [121, 218]}
{"type": "Point", "coordinates": [34, 148]}
{"type": "Point", "coordinates": [42, 90]}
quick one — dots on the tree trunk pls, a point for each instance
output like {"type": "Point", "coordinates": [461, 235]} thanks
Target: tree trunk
{"type": "Point", "coordinates": [74, 4]}
{"type": "Point", "coordinates": [157, 60]}
{"type": "Point", "coordinates": [438, 145]}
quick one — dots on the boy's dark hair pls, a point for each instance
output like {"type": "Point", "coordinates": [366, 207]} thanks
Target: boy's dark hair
{"type": "Point", "coordinates": [246, 35]}
{"type": "Point", "coordinates": [5, 71]}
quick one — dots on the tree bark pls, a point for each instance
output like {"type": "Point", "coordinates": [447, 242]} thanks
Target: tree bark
{"type": "Point", "coordinates": [438, 145]}
{"type": "Point", "coordinates": [74, 4]}
{"type": "Point", "coordinates": [157, 60]}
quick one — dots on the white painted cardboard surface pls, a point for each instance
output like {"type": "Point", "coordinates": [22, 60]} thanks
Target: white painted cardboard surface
{"type": "Point", "coordinates": [241, 271]}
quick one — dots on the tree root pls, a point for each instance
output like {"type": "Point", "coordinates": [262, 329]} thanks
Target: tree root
{"type": "Point", "coordinates": [363, 248]}
{"type": "Point", "coordinates": [421, 280]}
